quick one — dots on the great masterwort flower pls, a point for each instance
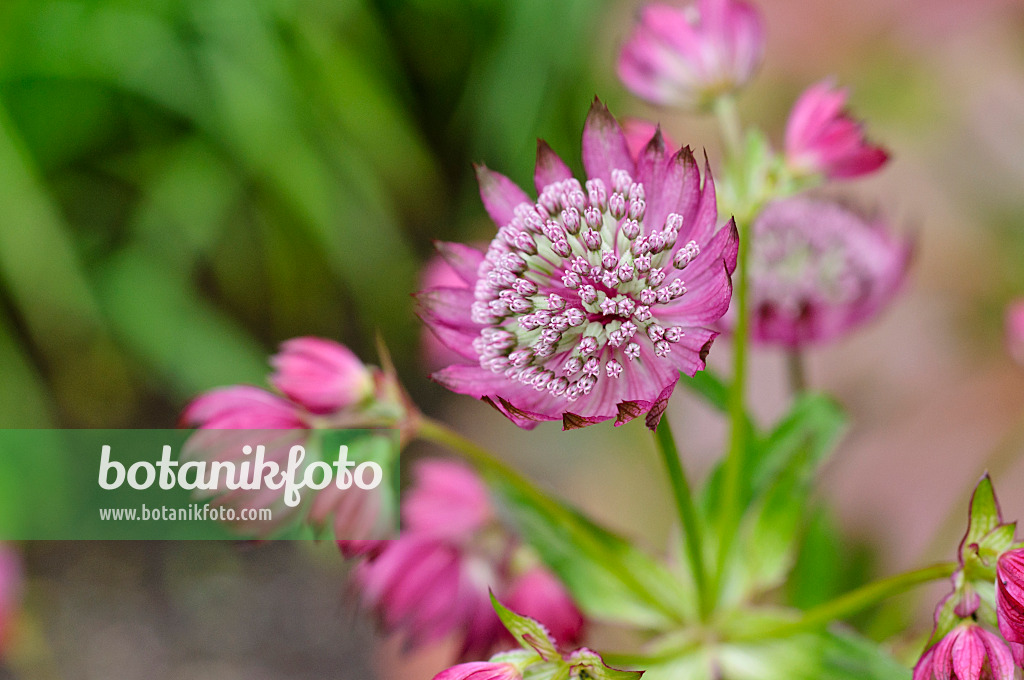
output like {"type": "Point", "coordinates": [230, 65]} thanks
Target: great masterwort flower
{"type": "Point", "coordinates": [818, 270]}
{"type": "Point", "coordinates": [689, 56]}
{"type": "Point", "coordinates": [591, 299]}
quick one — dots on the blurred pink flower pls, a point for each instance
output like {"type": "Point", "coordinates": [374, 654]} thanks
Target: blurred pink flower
{"type": "Point", "coordinates": [639, 133]}
{"type": "Point", "coordinates": [10, 591]}
{"type": "Point", "coordinates": [480, 670]}
{"type": "Point", "coordinates": [321, 375]}
{"type": "Point", "coordinates": [581, 309]}
{"type": "Point", "coordinates": [688, 56]}
{"type": "Point", "coordinates": [818, 270]}
{"type": "Point", "coordinates": [1015, 330]}
{"type": "Point", "coordinates": [968, 652]}
{"type": "Point", "coordinates": [541, 596]}
{"type": "Point", "coordinates": [435, 579]}
{"type": "Point", "coordinates": [822, 138]}
{"type": "Point", "coordinates": [1010, 601]}
{"type": "Point", "coordinates": [325, 386]}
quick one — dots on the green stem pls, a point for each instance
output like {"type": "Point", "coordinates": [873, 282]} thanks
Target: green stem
{"type": "Point", "coordinates": [797, 371]}
{"type": "Point", "coordinates": [686, 509]}
{"type": "Point", "coordinates": [434, 431]}
{"type": "Point", "coordinates": [735, 458]}
{"type": "Point", "coordinates": [729, 124]}
{"type": "Point", "coordinates": [857, 600]}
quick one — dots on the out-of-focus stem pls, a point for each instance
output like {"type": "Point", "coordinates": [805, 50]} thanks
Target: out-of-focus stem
{"type": "Point", "coordinates": [734, 462]}
{"type": "Point", "coordinates": [729, 124]}
{"type": "Point", "coordinates": [687, 510]}
{"type": "Point", "coordinates": [797, 371]}
{"type": "Point", "coordinates": [856, 600]}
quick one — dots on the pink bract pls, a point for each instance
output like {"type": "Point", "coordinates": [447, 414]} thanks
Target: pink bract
{"type": "Point", "coordinates": [688, 56]}
{"type": "Point", "coordinates": [320, 374]}
{"type": "Point", "coordinates": [822, 138]}
{"type": "Point", "coordinates": [591, 300]}
{"type": "Point", "coordinates": [819, 270]}
{"type": "Point", "coordinates": [540, 596]}
{"type": "Point", "coordinates": [1010, 600]}
{"type": "Point", "coordinates": [968, 652]}
{"type": "Point", "coordinates": [480, 670]}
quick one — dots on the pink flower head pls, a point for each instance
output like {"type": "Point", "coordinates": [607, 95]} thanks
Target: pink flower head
{"type": "Point", "coordinates": [321, 375]}
{"type": "Point", "coordinates": [435, 580]}
{"type": "Point", "coordinates": [480, 670]}
{"type": "Point", "coordinates": [822, 138]}
{"type": "Point", "coordinates": [541, 596]}
{"type": "Point", "coordinates": [968, 652]}
{"type": "Point", "coordinates": [688, 56]}
{"type": "Point", "coordinates": [1010, 600]}
{"type": "Point", "coordinates": [590, 301]}
{"type": "Point", "coordinates": [10, 591]}
{"type": "Point", "coordinates": [1015, 330]}
{"type": "Point", "coordinates": [818, 270]}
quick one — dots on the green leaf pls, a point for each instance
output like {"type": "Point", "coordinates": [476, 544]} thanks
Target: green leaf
{"type": "Point", "coordinates": [589, 665]}
{"type": "Point", "coordinates": [984, 516]}
{"type": "Point", "coordinates": [609, 577]}
{"type": "Point", "coordinates": [529, 633]}
{"type": "Point", "coordinates": [810, 431]}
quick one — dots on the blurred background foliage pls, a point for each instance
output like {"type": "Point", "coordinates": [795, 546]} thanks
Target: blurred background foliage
{"type": "Point", "coordinates": [186, 183]}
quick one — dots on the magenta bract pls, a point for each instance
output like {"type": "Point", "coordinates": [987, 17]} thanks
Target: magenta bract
{"type": "Point", "coordinates": [822, 138]}
{"type": "Point", "coordinates": [968, 652]}
{"type": "Point", "coordinates": [591, 300]}
{"type": "Point", "coordinates": [688, 56]}
{"type": "Point", "coordinates": [480, 670]}
{"type": "Point", "coordinates": [1010, 595]}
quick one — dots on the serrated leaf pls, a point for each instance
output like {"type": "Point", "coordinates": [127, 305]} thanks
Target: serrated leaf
{"type": "Point", "coordinates": [529, 633]}
{"type": "Point", "coordinates": [589, 665]}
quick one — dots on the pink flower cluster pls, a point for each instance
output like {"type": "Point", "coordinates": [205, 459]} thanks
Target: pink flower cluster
{"type": "Point", "coordinates": [592, 299]}
{"type": "Point", "coordinates": [322, 385]}
{"type": "Point", "coordinates": [435, 580]}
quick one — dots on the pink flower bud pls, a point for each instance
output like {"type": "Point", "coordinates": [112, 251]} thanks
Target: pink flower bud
{"type": "Point", "coordinates": [1010, 595]}
{"type": "Point", "coordinates": [322, 375]}
{"type": "Point", "coordinates": [541, 596]}
{"type": "Point", "coordinates": [480, 670]}
{"type": "Point", "coordinates": [689, 56]}
{"type": "Point", "coordinates": [241, 407]}
{"type": "Point", "coordinates": [822, 138]}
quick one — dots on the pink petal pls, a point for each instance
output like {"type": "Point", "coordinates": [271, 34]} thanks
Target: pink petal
{"type": "Point", "coordinates": [499, 194]}
{"type": "Point", "coordinates": [550, 168]}
{"type": "Point", "coordinates": [604, 145]}
{"type": "Point", "coordinates": [464, 260]}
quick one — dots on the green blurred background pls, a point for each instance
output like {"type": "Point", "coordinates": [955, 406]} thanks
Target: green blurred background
{"type": "Point", "coordinates": [186, 183]}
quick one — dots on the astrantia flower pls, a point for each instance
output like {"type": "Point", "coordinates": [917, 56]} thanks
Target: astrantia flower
{"type": "Point", "coordinates": [1010, 600]}
{"type": "Point", "coordinates": [435, 580]}
{"type": "Point", "coordinates": [688, 56]}
{"type": "Point", "coordinates": [320, 374]}
{"type": "Point", "coordinates": [590, 301]}
{"type": "Point", "coordinates": [968, 652]}
{"type": "Point", "coordinates": [822, 138]}
{"type": "Point", "coordinates": [10, 591]}
{"type": "Point", "coordinates": [818, 270]}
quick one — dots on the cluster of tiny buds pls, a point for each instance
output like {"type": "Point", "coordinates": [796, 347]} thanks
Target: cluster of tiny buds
{"type": "Point", "coordinates": [570, 286]}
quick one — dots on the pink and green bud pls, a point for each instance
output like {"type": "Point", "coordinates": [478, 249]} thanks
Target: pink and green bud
{"type": "Point", "coordinates": [689, 56]}
{"type": "Point", "coordinates": [541, 596]}
{"type": "Point", "coordinates": [321, 375]}
{"type": "Point", "coordinates": [821, 137]}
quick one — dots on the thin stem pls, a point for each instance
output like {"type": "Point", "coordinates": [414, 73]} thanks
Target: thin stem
{"type": "Point", "coordinates": [729, 124]}
{"type": "Point", "coordinates": [857, 600]}
{"type": "Point", "coordinates": [797, 371]}
{"type": "Point", "coordinates": [490, 466]}
{"type": "Point", "coordinates": [735, 458]}
{"type": "Point", "coordinates": [686, 509]}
